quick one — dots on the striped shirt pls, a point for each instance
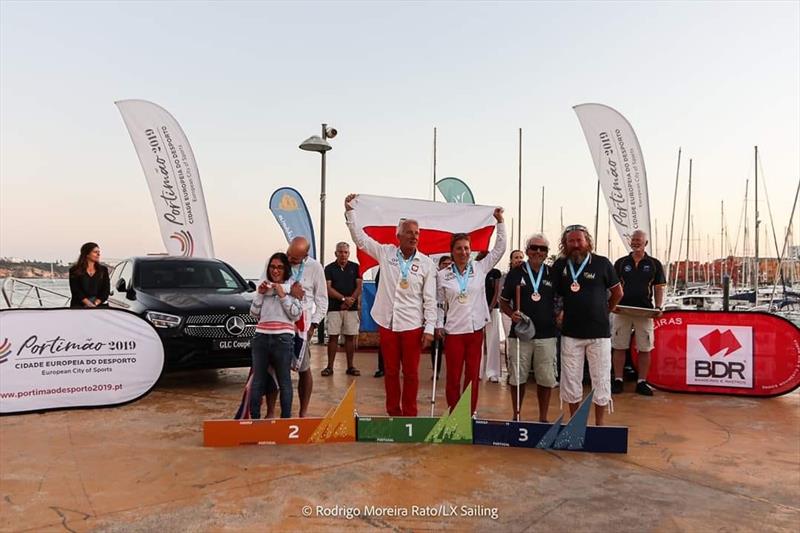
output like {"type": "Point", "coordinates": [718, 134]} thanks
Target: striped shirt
{"type": "Point", "coordinates": [276, 315]}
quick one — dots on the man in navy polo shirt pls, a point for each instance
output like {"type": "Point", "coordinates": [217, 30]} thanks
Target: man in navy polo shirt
{"type": "Point", "coordinates": [537, 301]}
{"type": "Point", "coordinates": [584, 280]}
{"type": "Point", "coordinates": [642, 277]}
{"type": "Point", "coordinates": [344, 291]}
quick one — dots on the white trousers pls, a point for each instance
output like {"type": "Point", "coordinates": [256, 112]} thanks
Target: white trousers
{"type": "Point", "coordinates": [598, 353]}
{"type": "Point", "coordinates": [490, 363]}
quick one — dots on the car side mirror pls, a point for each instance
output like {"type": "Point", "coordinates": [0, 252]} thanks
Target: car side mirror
{"type": "Point", "coordinates": [121, 286]}
{"type": "Point", "coordinates": [251, 286]}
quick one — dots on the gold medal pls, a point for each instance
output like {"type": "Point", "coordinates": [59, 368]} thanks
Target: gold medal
{"type": "Point", "coordinates": [536, 296]}
{"type": "Point", "coordinates": [462, 298]}
{"type": "Point", "coordinates": [404, 283]}
{"type": "Point", "coordinates": [575, 287]}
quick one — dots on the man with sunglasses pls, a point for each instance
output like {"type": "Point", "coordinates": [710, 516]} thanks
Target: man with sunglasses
{"type": "Point", "coordinates": [537, 301]}
{"type": "Point", "coordinates": [584, 279]}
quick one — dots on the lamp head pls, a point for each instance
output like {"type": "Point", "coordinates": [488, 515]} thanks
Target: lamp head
{"type": "Point", "coordinates": [315, 143]}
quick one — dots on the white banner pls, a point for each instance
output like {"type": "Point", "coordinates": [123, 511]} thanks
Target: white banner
{"type": "Point", "coordinates": [172, 176]}
{"type": "Point", "coordinates": [61, 358]}
{"type": "Point", "coordinates": [620, 167]}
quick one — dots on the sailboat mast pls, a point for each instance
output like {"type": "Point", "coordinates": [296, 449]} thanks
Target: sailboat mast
{"type": "Point", "coordinates": [434, 163]}
{"type": "Point", "coordinates": [541, 228]}
{"type": "Point", "coordinates": [519, 194]}
{"type": "Point", "coordinates": [672, 223]}
{"type": "Point", "coordinates": [688, 223]}
{"type": "Point", "coordinates": [755, 270]}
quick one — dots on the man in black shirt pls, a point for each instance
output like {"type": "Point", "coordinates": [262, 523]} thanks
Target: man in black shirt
{"type": "Point", "coordinates": [536, 300]}
{"type": "Point", "coordinates": [642, 277]}
{"type": "Point", "coordinates": [583, 279]}
{"type": "Point", "coordinates": [344, 291]}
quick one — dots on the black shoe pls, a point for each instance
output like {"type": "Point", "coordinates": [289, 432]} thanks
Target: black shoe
{"type": "Point", "coordinates": [378, 374]}
{"type": "Point", "coordinates": [617, 386]}
{"type": "Point", "coordinates": [644, 389]}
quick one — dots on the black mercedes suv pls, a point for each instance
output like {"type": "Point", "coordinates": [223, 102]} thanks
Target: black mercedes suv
{"type": "Point", "coordinates": [200, 308]}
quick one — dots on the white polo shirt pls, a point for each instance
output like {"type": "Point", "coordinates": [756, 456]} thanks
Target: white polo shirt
{"type": "Point", "coordinates": [313, 282]}
{"type": "Point", "coordinates": [474, 313]}
{"type": "Point", "coordinates": [396, 308]}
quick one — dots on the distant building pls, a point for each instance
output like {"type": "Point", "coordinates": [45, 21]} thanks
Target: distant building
{"type": "Point", "coordinates": [739, 269]}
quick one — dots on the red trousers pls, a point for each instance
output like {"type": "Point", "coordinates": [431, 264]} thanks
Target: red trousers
{"type": "Point", "coordinates": [463, 354]}
{"type": "Point", "coordinates": [401, 348]}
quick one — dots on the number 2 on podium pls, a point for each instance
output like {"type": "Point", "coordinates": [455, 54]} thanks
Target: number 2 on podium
{"type": "Point", "coordinates": [293, 431]}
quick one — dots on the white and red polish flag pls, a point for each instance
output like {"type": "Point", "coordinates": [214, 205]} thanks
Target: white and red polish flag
{"type": "Point", "coordinates": [378, 216]}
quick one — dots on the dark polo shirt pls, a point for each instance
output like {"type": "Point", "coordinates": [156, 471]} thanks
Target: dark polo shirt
{"type": "Point", "coordinates": [639, 280]}
{"type": "Point", "coordinates": [586, 311]}
{"type": "Point", "coordinates": [542, 312]}
{"type": "Point", "coordinates": [344, 281]}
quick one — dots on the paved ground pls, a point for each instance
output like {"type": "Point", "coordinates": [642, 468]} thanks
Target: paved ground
{"type": "Point", "coordinates": [696, 463]}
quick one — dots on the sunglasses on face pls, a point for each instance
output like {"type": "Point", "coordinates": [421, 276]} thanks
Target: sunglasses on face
{"type": "Point", "coordinates": [538, 248]}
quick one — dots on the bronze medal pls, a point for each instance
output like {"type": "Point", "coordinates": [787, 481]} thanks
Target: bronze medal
{"type": "Point", "coordinates": [536, 296]}
{"type": "Point", "coordinates": [462, 298]}
{"type": "Point", "coordinates": [404, 283]}
{"type": "Point", "coordinates": [575, 287]}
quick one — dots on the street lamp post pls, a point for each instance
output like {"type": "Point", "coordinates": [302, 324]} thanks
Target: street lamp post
{"type": "Point", "coordinates": [320, 144]}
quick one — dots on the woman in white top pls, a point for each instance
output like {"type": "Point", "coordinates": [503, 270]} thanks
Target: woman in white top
{"type": "Point", "coordinates": [273, 343]}
{"type": "Point", "coordinates": [462, 291]}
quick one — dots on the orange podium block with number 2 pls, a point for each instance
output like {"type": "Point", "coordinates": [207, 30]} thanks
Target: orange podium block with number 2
{"type": "Point", "coordinates": [338, 425]}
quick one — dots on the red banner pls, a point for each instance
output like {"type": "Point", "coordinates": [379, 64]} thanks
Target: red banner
{"type": "Point", "coordinates": [741, 353]}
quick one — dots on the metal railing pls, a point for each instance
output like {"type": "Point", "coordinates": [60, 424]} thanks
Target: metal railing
{"type": "Point", "coordinates": [23, 293]}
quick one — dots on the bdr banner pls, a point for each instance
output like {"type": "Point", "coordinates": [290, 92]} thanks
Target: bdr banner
{"type": "Point", "coordinates": [61, 358]}
{"type": "Point", "coordinates": [742, 353]}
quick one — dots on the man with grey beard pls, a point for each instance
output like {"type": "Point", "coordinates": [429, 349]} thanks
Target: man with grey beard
{"type": "Point", "coordinates": [583, 280]}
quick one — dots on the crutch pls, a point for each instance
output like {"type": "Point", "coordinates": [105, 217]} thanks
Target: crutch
{"type": "Point", "coordinates": [518, 305]}
{"type": "Point", "coordinates": [435, 372]}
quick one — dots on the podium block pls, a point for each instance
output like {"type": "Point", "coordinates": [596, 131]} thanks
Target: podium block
{"type": "Point", "coordinates": [577, 435]}
{"type": "Point", "coordinates": [338, 425]}
{"type": "Point", "coordinates": [394, 429]}
{"type": "Point", "coordinates": [451, 428]}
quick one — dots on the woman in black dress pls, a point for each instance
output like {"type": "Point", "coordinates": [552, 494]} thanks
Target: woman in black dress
{"type": "Point", "coordinates": [88, 279]}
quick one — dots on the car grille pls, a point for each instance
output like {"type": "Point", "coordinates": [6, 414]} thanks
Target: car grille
{"type": "Point", "coordinates": [213, 326]}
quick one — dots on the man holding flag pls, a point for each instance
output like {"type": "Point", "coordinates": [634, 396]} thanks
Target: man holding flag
{"type": "Point", "coordinates": [404, 308]}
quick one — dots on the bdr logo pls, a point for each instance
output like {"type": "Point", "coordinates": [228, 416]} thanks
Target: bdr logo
{"type": "Point", "coordinates": [719, 356]}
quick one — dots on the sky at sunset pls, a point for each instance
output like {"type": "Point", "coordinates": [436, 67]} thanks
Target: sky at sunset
{"type": "Point", "coordinates": [249, 81]}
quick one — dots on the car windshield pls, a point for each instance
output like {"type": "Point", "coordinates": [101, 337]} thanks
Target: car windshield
{"type": "Point", "coordinates": [188, 275]}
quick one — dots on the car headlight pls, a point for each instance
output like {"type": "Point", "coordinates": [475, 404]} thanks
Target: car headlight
{"type": "Point", "coordinates": [163, 320]}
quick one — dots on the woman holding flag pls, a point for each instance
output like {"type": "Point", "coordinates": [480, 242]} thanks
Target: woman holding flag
{"type": "Point", "coordinates": [464, 313]}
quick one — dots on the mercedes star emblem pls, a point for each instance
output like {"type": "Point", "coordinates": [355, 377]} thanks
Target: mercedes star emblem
{"type": "Point", "coordinates": [234, 325]}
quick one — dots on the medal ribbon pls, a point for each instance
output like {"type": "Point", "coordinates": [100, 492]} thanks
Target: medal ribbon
{"type": "Point", "coordinates": [404, 265]}
{"type": "Point", "coordinates": [297, 274]}
{"type": "Point", "coordinates": [572, 269]}
{"type": "Point", "coordinates": [462, 280]}
{"type": "Point", "coordinates": [536, 281]}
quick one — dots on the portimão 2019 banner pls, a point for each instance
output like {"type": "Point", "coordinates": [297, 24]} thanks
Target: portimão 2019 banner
{"type": "Point", "coordinates": [64, 358]}
{"type": "Point", "coordinates": [291, 212]}
{"type": "Point", "coordinates": [172, 176]}
{"type": "Point", "coordinates": [620, 168]}
{"type": "Point", "coordinates": [740, 353]}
